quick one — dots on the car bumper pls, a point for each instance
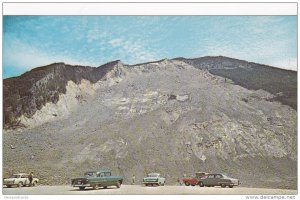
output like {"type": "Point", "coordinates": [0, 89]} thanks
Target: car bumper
{"type": "Point", "coordinates": [10, 184]}
{"type": "Point", "coordinates": [234, 184]}
{"type": "Point", "coordinates": [151, 182]}
{"type": "Point", "coordinates": [83, 185]}
{"type": "Point", "coordinates": [228, 183]}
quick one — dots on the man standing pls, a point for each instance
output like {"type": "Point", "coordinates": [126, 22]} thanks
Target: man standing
{"type": "Point", "coordinates": [133, 179]}
{"type": "Point", "coordinates": [179, 181]}
{"type": "Point", "coordinates": [30, 177]}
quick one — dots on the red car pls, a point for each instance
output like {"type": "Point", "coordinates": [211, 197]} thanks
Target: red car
{"type": "Point", "coordinates": [194, 180]}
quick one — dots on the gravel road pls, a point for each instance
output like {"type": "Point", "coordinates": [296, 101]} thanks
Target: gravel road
{"type": "Point", "coordinates": [138, 189]}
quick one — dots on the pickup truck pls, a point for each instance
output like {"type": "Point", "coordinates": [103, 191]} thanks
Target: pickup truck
{"type": "Point", "coordinates": [194, 180]}
{"type": "Point", "coordinates": [96, 179]}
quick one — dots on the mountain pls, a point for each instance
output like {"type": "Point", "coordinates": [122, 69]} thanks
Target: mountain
{"type": "Point", "coordinates": [279, 82]}
{"type": "Point", "coordinates": [26, 94]}
{"type": "Point", "coordinates": [178, 116]}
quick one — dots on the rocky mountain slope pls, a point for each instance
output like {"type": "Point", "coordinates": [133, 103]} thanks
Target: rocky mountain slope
{"type": "Point", "coordinates": [170, 116]}
{"type": "Point", "coordinates": [26, 94]}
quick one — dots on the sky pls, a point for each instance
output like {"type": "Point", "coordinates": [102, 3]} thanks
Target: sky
{"type": "Point", "coordinates": [33, 41]}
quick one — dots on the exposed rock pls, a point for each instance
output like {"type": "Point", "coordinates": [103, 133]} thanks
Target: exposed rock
{"type": "Point", "coordinates": [182, 97]}
{"type": "Point", "coordinates": [170, 116]}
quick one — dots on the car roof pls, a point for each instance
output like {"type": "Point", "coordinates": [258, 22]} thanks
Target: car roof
{"type": "Point", "coordinates": [201, 173]}
{"type": "Point", "coordinates": [104, 170]}
{"type": "Point", "coordinates": [20, 174]}
{"type": "Point", "coordinates": [154, 173]}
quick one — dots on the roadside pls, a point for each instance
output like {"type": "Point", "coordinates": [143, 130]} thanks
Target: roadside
{"type": "Point", "coordinates": [138, 189]}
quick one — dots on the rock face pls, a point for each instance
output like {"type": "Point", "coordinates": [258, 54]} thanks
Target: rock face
{"type": "Point", "coordinates": [26, 94]}
{"type": "Point", "coordinates": [281, 83]}
{"type": "Point", "coordinates": [171, 116]}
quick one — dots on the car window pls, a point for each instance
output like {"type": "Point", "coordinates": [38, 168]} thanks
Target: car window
{"type": "Point", "coordinates": [211, 176]}
{"type": "Point", "coordinates": [153, 175]}
{"type": "Point", "coordinates": [224, 176]}
{"type": "Point", "coordinates": [107, 174]}
{"type": "Point", "coordinates": [218, 176]}
{"type": "Point", "coordinates": [89, 174]}
{"type": "Point", "coordinates": [15, 176]}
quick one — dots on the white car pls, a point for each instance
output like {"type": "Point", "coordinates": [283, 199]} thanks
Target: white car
{"type": "Point", "coordinates": [154, 179]}
{"type": "Point", "coordinates": [19, 180]}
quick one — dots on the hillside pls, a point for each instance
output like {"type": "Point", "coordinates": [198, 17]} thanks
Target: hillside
{"type": "Point", "coordinates": [26, 94]}
{"type": "Point", "coordinates": [170, 116]}
{"type": "Point", "coordinates": [281, 83]}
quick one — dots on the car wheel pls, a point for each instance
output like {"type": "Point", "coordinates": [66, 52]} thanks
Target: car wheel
{"type": "Point", "coordinates": [20, 184]}
{"type": "Point", "coordinates": [118, 184]}
{"type": "Point", "coordinates": [34, 183]}
{"type": "Point", "coordinates": [146, 184]}
{"type": "Point", "coordinates": [163, 184]}
{"type": "Point", "coordinates": [9, 186]}
{"type": "Point", "coordinates": [105, 187]}
{"type": "Point", "coordinates": [201, 184]}
{"type": "Point", "coordinates": [223, 185]}
{"type": "Point", "coordinates": [96, 187]}
{"type": "Point", "coordinates": [81, 188]}
{"type": "Point", "coordinates": [187, 183]}
{"type": "Point", "coordinates": [231, 186]}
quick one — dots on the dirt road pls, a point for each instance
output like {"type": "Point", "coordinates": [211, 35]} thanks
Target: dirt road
{"type": "Point", "coordinates": [137, 189]}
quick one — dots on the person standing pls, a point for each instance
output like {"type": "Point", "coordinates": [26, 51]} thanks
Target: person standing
{"type": "Point", "coordinates": [30, 177]}
{"type": "Point", "coordinates": [133, 179]}
{"type": "Point", "coordinates": [179, 181]}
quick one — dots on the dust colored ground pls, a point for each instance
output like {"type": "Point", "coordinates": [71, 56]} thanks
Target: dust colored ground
{"type": "Point", "coordinates": [138, 189]}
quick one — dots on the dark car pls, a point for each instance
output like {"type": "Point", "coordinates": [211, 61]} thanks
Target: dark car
{"type": "Point", "coordinates": [218, 180]}
{"type": "Point", "coordinates": [96, 179]}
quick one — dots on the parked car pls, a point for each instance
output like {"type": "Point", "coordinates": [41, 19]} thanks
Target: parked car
{"type": "Point", "coordinates": [19, 180]}
{"type": "Point", "coordinates": [218, 180]}
{"type": "Point", "coordinates": [154, 179]}
{"type": "Point", "coordinates": [96, 179]}
{"type": "Point", "coordinates": [194, 180]}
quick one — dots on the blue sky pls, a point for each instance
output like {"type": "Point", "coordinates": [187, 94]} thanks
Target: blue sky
{"type": "Point", "coordinates": [33, 41]}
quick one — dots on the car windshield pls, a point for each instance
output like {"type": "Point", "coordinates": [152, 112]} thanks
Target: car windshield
{"type": "Point", "coordinates": [152, 175]}
{"type": "Point", "coordinates": [224, 176]}
{"type": "Point", "coordinates": [15, 176]}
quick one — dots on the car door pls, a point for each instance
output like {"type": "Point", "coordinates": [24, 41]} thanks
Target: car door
{"type": "Point", "coordinates": [24, 179]}
{"type": "Point", "coordinates": [102, 178]}
{"type": "Point", "coordinates": [160, 179]}
{"type": "Point", "coordinates": [108, 179]}
{"type": "Point", "coordinates": [163, 179]}
{"type": "Point", "coordinates": [209, 180]}
{"type": "Point", "coordinates": [218, 179]}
